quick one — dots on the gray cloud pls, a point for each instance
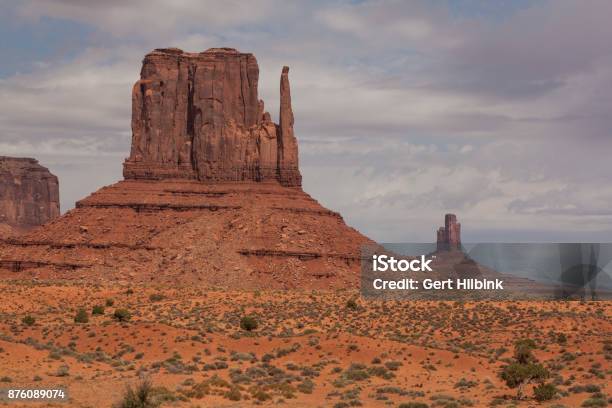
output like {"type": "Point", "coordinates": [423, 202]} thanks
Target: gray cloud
{"type": "Point", "coordinates": [405, 109]}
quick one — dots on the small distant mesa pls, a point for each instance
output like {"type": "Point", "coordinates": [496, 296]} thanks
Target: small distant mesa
{"type": "Point", "coordinates": [29, 194]}
{"type": "Point", "coordinates": [449, 236]}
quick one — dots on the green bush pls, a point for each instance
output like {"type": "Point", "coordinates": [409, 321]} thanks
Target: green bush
{"type": "Point", "coordinates": [122, 315]}
{"type": "Point", "coordinates": [81, 316]}
{"type": "Point", "coordinates": [28, 320]}
{"type": "Point", "coordinates": [525, 369]}
{"type": "Point", "coordinates": [544, 392]}
{"type": "Point", "coordinates": [97, 310]}
{"type": "Point", "coordinates": [517, 374]}
{"type": "Point", "coordinates": [248, 323]}
{"type": "Point", "coordinates": [156, 297]}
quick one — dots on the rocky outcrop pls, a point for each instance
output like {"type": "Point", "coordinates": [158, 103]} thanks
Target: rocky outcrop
{"type": "Point", "coordinates": [29, 193]}
{"type": "Point", "coordinates": [198, 116]}
{"type": "Point", "coordinates": [449, 236]}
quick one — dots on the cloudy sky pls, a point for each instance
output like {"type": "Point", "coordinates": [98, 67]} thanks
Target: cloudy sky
{"type": "Point", "coordinates": [498, 111]}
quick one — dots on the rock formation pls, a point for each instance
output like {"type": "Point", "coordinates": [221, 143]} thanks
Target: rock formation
{"type": "Point", "coordinates": [449, 236]}
{"type": "Point", "coordinates": [198, 116]}
{"type": "Point", "coordinates": [211, 194]}
{"type": "Point", "coordinates": [29, 194]}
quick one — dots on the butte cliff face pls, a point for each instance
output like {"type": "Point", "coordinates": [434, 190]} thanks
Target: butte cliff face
{"type": "Point", "coordinates": [198, 116]}
{"type": "Point", "coordinates": [29, 194]}
{"type": "Point", "coordinates": [211, 194]}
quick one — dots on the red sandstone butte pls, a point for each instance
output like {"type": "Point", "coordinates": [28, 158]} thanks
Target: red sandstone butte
{"type": "Point", "coordinates": [212, 193]}
{"type": "Point", "coordinates": [198, 116]}
{"type": "Point", "coordinates": [449, 236]}
{"type": "Point", "coordinates": [29, 194]}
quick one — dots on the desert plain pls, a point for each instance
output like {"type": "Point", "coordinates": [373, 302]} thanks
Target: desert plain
{"type": "Point", "coordinates": [307, 349]}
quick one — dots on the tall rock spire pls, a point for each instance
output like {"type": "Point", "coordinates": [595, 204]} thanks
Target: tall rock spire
{"type": "Point", "coordinates": [289, 173]}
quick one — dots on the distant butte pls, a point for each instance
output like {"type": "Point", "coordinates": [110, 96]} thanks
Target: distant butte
{"type": "Point", "coordinates": [212, 193]}
{"type": "Point", "coordinates": [29, 194]}
{"type": "Point", "coordinates": [449, 236]}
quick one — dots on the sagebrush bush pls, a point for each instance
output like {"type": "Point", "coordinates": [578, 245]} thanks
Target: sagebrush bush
{"type": "Point", "coordinates": [28, 320]}
{"type": "Point", "coordinates": [122, 315]}
{"type": "Point", "coordinates": [81, 316]}
{"type": "Point", "coordinates": [544, 392]}
{"type": "Point", "coordinates": [248, 323]}
{"type": "Point", "coordinates": [139, 397]}
{"type": "Point", "coordinates": [97, 310]}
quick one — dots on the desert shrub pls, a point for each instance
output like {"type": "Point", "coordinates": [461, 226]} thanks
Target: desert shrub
{"type": "Point", "coordinates": [544, 392]}
{"type": "Point", "coordinates": [81, 316]}
{"type": "Point", "coordinates": [233, 394]}
{"type": "Point", "coordinates": [393, 365]}
{"type": "Point", "coordinates": [523, 351]}
{"type": "Point", "coordinates": [382, 372]}
{"type": "Point", "coordinates": [517, 375]}
{"type": "Point", "coordinates": [352, 304]}
{"type": "Point", "coordinates": [122, 315]}
{"type": "Point", "coordinates": [413, 405]}
{"type": "Point", "coordinates": [109, 302]}
{"type": "Point", "coordinates": [306, 386]}
{"type": "Point", "coordinates": [464, 383]}
{"type": "Point", "coordinates": [97, 310]}
{"type": "Point", "coordinates": [444, 401]}
{"type": "Point", "coordinates": [139, 397]}
{"type": "Point", "coordinates": [28, 320]}
{"type": "Point", "coordinates": [592, 388]}
{"type": "Point", "coordinates": [156, 297]}
{"type": "Point", "coordinates": [525, 369]}
{"type": "Point", "coordinates": [261, 395]}
{"type": "Point", "coordinates": [561, 338]}
{"type": "Point", "coordinates": [356, 372]}
{"type": "Point", "coordinates": [594, 402]}
{"type": "Point", "coordinates": [62, 371]}
{"type": "Point", "coordinates": [248, 323]}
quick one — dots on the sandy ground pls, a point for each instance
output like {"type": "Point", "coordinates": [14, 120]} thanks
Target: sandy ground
{"type": "Point", "coordinates": [310, 349]}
